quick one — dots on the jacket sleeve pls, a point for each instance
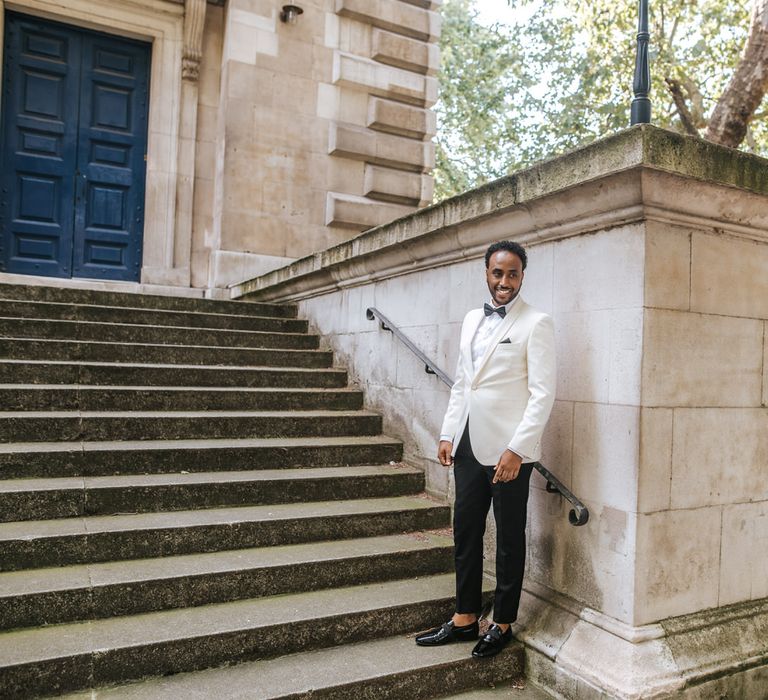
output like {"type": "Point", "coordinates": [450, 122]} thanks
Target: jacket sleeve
{"type": "Point", "coordinates": [541, 388]}
{"type": "Point", "coordinates": [454, 410]}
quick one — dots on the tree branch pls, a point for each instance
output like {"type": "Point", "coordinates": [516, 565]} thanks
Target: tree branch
{"type": "Point", "coordinates": [676, 89]}
{"type": "Point", "coordinates": [748, 85]}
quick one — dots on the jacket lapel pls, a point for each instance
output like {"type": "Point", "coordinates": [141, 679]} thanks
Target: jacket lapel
{"type": "Point", "coordinates": [502, 330]}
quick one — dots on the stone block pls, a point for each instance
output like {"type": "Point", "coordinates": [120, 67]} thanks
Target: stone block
{"type": "Point", "coordinates": [583, 356]}
{"type": "Point", "coordinates": [697, 360]}
{"type": "Point", "coordinates": [605, 454]}
{"type": "Point", "coordinates": [246, 231]}
{"type": "Point", "coordinates": [401, 119]}
{"type": "Point", "coordinates": [400, 51]}
{"type": "Point", "coordinates": [538, 284]}
{"type": "Point", "coordinates": [361, 73]}
{"type": "Point", "coordinates": [592, 564]}
{"type": "Point", "coordinates": [328, 101]}
{"type": "Point", "coordinates": [678, 563]}
{"type": "Point", "coordinates": [626, 356]}
{"type": "Point", "coordinates": [667, 266]}
{"type": "Point", "coordinates": [345, 175]}
{"type": "Point", "coordinates": [728, 276]}
{"type": "Point", "coordinates": [601, 271]}
{"type": "Point", "coordinates": [295, 94]}
{"type": "Point", "coordinates": [765, 365]}
{"type": "Point", "coordinates": [394, 16]}
{"type": "Point", "coordinates": [719, 456]}
{"type": "Point", "coordinates": [360, 213]}
{"type": "Point", "coordinates": [655, 463]}
{"type": "Point", "coordinates": [380, 149]}
{"type": "Point", "coordinates": [353, 36]}
{"type": "Point", "coordinates": [557, 445]}
{"type": "Point", "coordinates": [744, 559]}
{"type": "Point", "coordinates": [397, 186]}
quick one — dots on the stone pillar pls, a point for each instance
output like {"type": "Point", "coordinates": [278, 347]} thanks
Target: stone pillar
{"type": "Point", "coordinates": [650, 250]}
{"type": "Point", "coordinates": [194, 22]}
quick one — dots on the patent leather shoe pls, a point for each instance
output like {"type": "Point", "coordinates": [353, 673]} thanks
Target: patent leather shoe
{"type": "Point", "coordinates": [492, 642]}
{"type": "Point", "coordinates": [448, 633]}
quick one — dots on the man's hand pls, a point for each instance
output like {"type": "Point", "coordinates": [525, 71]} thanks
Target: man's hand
{"type": "Point", "coordinates": [508, 466]}
{"type": "Point", "coordinates": [444, 453]}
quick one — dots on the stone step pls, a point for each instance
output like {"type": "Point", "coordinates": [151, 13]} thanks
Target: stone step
{"type": "Point", "coordinates": [79, 655]}
{"type": "Point", "coordinates": [67, 594]}
{"type": "Point", "coordinates": [35, 544]}
{"type": "Point", "coordinates": [69, 397]}
{"type": "Point", "coordinates": [41, 499]}
{"type": "Point", "coordinates": [61, 295]}
{"type": "Point", "coordinates": [39, 349]}
{"type": "Point", "coordinates": [150, 317]}
{"type": "Point", "coordinates": [392, 668]}
{"type": "Point", "coordinates": [109, 373]}
{"type": "Point", "coordinates": [33, 426]}
{"type": "Point", "coordinates": [152, 335]}
{"type": "Point", "coordinates": [41, 460]}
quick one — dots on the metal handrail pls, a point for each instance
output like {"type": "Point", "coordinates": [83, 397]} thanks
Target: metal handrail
{"type": "Point", "coordinates": [579, 514]}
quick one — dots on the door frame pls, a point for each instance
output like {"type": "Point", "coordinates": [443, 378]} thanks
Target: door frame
{"type": "Point", "coordinates": [162, 24]}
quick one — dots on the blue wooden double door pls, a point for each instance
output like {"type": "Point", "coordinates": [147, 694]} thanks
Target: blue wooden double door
{"type": "Point", "coordinates": [74, 135]}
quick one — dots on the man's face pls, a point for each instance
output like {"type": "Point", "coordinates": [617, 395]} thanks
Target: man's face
{"type": "Point", "coordinates": [504, 275]}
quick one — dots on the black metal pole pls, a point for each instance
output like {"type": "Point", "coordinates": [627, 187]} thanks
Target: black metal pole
{"type": "Point", "coordinates": [641, 104]}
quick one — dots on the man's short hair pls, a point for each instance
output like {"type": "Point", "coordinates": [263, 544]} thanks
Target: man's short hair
{"type": "Point", "coordinates": [510, 247]}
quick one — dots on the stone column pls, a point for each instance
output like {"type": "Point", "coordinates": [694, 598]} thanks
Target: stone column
{"type": "Point", "coordinates": [194, 22]}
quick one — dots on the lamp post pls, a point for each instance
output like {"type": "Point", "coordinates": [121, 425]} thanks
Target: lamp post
{"type": "Point", "coordinates": [641, 104]}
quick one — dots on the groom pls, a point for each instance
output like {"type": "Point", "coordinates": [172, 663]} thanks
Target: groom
{"type": "Point", "coordinates": [491, 433]}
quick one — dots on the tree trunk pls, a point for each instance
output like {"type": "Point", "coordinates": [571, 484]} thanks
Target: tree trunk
{"type": "Point", "coordinates": [745, 91]}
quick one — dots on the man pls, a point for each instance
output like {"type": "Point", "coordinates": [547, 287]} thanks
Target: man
{"type": "Point", "coordinates": [491, 433]}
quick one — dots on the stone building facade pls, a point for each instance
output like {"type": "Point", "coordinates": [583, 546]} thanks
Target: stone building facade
{"type": "Point", "coordinates": [264, 140]}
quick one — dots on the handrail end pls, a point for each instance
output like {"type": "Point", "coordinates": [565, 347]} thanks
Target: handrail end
{"type": "Point", "coordinates": [369, 314]}
{"type": "Point", "coordinates": [578, 517]}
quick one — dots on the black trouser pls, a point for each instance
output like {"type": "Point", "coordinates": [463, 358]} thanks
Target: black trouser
{"type": "Point", "coordinates": [474, 494]}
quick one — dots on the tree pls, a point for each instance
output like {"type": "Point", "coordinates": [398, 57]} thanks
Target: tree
{"type": "Point", "coordinates": [709, 68]}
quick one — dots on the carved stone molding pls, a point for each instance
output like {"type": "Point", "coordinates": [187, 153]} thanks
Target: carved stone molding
{"type": "Point", "coordinates": [194, 21]}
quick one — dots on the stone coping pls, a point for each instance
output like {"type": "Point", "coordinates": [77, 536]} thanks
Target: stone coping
{"type": "Point", "coordinates": [409, 243]}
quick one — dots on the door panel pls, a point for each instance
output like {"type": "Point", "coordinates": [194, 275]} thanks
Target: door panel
{"type": "Point", "coordinates": [112, 143]}
{"type": "Point", "coordinates": [74, 143]}
{"type": "Point", "coordinates": [40, 104]}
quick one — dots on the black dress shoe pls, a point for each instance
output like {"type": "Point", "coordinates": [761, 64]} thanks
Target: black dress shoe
{"type": "Point", "coordinates": [492, 642]}
{"type": "Point", "coordinates": [447, 633]}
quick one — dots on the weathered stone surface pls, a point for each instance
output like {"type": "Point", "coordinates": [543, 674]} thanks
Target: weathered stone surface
{"type": "Point", "coordinates": [394, 16]}
{"type": "Point", "coordinates": [400, 51]}
{"type": "Point", "coordinates": [728, 276]}
{"type": "Point", "coordinates": [400, 119]}
{"type": "Point", "coordinates": [39, 499]}
{"type": "Point", "coordinates": [386, 81]}
{"type": "Point", "coordinates": [678, 563]}
{"type": "Point", "coordinates": [360, 213]}
{"type": "Point", "coordinates": [96, 591]}
{"type": "Point", "coordinates": [389, 150]}
{"type": "Point", "coordinates": [682, 348]}
{"type": "Point", "coordinates": [397, 186]}
{"type": "Point", "coordinates": [34, 460]}
{"type": "Point", "coordinates": [732, 443]}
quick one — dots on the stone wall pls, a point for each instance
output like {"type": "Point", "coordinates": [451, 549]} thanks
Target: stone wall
{"type": "Point", "coordinates": [650, 250]}
{"type": "Point", "coordinates": [321, 129]}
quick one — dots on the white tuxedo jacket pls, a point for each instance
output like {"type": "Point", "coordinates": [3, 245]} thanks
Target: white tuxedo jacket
{"type": "Point", "coordinates": [509, 399]}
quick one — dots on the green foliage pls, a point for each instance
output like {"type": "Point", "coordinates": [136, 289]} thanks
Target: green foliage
{"type": "Point", "coordinates": [512, 96]}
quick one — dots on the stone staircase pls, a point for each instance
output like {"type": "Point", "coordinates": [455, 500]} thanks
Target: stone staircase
{"type": "Point", "coordinates": [193, 503]}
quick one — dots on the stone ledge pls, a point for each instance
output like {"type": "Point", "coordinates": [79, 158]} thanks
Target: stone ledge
{"type": "Point", "coordinates": [450, 230]}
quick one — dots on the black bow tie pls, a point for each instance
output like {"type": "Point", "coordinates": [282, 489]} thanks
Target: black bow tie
{"type": "Point", "coordinates": [501, 310]}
